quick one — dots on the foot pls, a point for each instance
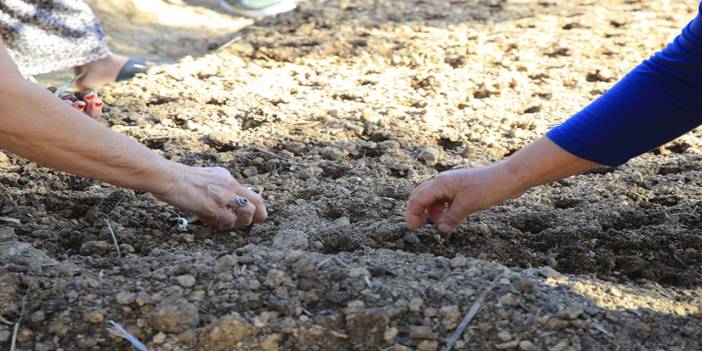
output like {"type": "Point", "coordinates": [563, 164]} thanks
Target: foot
{"type": "Point", "coordinates": [257, 8]}
{"type": "Point", "coordinates": [100, 72]}
{"type": "Point", "coordinates": [88, 103]}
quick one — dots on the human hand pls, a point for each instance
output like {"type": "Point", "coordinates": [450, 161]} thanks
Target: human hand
{"type": "Point", "coordinates": [447, 199]}
{"type": "Point", "coordinates": [85, 102]}
{"type": "Point", "coordinates": [211, 193]}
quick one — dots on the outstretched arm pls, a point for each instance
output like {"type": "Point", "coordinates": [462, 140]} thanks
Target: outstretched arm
{"type": "Point", "coordinates": [658, 101]}
{"type": "Point", "coordinates": [38, 126]}
{"type": "Point", "coordinates": [447, 199]}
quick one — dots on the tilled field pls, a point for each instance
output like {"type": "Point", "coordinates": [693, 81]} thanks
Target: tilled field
{"type": "Point", "coordinates": [334, 113]}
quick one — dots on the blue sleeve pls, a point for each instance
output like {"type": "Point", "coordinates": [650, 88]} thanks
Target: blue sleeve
{"type": "Point", "coordinates": [655, 103]}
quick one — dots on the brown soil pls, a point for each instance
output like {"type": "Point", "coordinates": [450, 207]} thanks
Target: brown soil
{"type": "Point", "coordinates": [334, 113]}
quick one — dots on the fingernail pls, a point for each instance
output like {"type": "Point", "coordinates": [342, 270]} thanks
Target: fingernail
{"type": "Point", "coordinates": [89, 97]}
{"type": "Point", "coordinates": [98, 104]}
{"type": "Point", "coordinates": [79, 105]}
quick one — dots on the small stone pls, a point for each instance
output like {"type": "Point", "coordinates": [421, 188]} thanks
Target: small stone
{"type": "Point", "coordinates": [159, 338]}
{"type": "Point", "coordinates": [410, 238]}
{"type": "Point", "coordinates": [370, 116]}
{"type": "Point", "coordinates": [333, 154]}
{"type": "Point", "coordinates": [430, 312]}
{"type": "Point", "coordinates": [311, 172]}
{"type": "Point", "coordinates": [94, 248]}
{"type": "Point", "coordinates": [125, 297]}
{"type": "Point", "coordinates": [275, 278]}
{"type": "Point", "coordinates": [295, 147]}
{"type": "Point", "coordinates": [428, 345]}
{"type": "Point", "coordinates": [5, 335]}
{"type": "Point", "coordinates": [226, 262]}
{"type": "Point", "coordinates": [416, 304]}
{"type": "Point", "coordinates": [25, 335]}
{"type": "Point", "coordinates": [305, 268]}
{"type": "Point", "coordinates": [174, 316]}
{"type": "Point", "coordinates": [556, 323]}
{"type": "Point", "coordinates": [94, 316]}
{"type": "Point", "coordinates": [526, 345]}
{"type": "Point", "coordinates": [601, 75]}
{"type": "Point", "coordinates": [291, 239]}
{"type": "Point", "coordinates": [250, 171]}
{"type": "Point", "coordinates": [220, 138]}
{"type": "Point", "coordinates": [429, 155]}
{"type": "Point", "coordinates": [390, 334]}
{"type": "Point", "coordinates": [507, 345]}
{"type": "Point", "coordinates": [450, 316]}
{"type": "Point", "coordinates": [548, 272]}
{"type": "Point", "coordinates": [525, 286]}
{"type": "Point", "coordinates": [421, 332]}
{"type": "Point", "coordinates": [4, 160]}
{"type": "Point", "coordinates": [225, 277]}
{"type": "Point", "coordinates": [459, 262]}
{"type": "Point", "coordinates": [37, 317]}
{"type": "Point", "coordinates": [572, 311]}
{"type": "Point", "coordinates": [366, 328]}
{"type": "Point", "coordinates": [271, 342]}
{"type": "Point", "coordinates": [186, 280]}
{"type": "Point", "coordinates": [504, 335]}
{"type": "Point", "coordinates": [356, 272]}
{"type": "Point", "coordinates": [7, 234]}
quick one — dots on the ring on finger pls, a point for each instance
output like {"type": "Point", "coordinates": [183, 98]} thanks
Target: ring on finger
{"type": "Point", "coordinates": [240, 202]}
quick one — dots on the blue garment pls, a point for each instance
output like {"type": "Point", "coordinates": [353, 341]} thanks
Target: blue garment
{"type": "Point", "coordinates": [655, 103]}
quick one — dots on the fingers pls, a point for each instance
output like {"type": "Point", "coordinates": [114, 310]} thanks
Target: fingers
{"type": "Point", "coordinates": [244, 210]}
{"type": "Point", "coordinates": [421, 199]}
{"type": "Point", "coordinates": [259, 206]}
{"type": "Point", "coordinates": [453, 216]}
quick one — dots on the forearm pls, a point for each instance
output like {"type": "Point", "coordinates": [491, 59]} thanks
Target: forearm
{"type": "Point", "coordinates": [38, 126]}
{"type": "Point", "coordinates": [656, 102]}
{"type": "Point", "coordinates": [539, 163]}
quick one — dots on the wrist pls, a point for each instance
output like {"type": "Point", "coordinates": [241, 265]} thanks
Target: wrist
{"type": "Point", "coordinates": [166, 178]}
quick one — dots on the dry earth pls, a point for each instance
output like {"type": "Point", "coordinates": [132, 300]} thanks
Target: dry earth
{"type": "Point", "coordinates": [334, 113]}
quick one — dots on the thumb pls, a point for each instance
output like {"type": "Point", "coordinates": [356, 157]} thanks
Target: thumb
{"type": "Point", "coordinates": [453, 216]}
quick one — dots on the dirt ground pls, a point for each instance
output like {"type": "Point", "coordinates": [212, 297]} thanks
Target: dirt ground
{"type": "Point", "coordinates": [334, 113]}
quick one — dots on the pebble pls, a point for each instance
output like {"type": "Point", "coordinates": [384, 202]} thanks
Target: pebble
{"type": "Point", "coordinates": [295, 147]}
{"type": "Point", "coordinates": [428, 345]}
{"type": "Point", "coordinates": [451, 315]}
{"type": "Point", "coordinates": [421, 332]}
{"type": "Point", "coordinates": [125, 297]}
{"type": "Point", "coordinates": [416, 304]}
{"type": "Point", "coordinates": [291, 239]}
{"type": "Point", "coordinates": [174, 316]}
{"type": "Point", "coordinates": [226, 262]}
{"type": "Point", "coordinates": [356, 272]}
{"type": "Point", "coordinates": [94, 248]}
{"type": "Point", "coordinates": [305, 268]}
{"type": "Point", "coordinates": [271, 343]}
{"type": "Point", "coordinates": [4, 160]}
{"type": "Point", "coordinates": [526, 345]}
{"type": "Point", "coordinates": [390, 334]}
{"type": "Point", "coordinates": [249, 172]}
{"type": "Point", "coordinates": [410, 238]}
{"type": "Point", "coordinates": [311, 172]}
{"type": "Point", "coordinates": [94, 316]}
{"type": "Point", "coordinates": [186, 280]}
{"type": "Point", "coordinates": [219, 138]}
{"type": "Point", "coordinates": [571, 311]}
{"type": "Point", "coordinates": [504, 335]}
{"type": "Point", "coordinates": [333, 154]}
{"type": "Point", "coordinates": [7, 234]}
{"type": "Point", "coordinates": [429, 155]}
{"type": "Point", "coordinates": [159, 338]}
{"type": "Point", "coordinates": [275, 278]}
{"type": "Point", "coordinates": [507, 345]}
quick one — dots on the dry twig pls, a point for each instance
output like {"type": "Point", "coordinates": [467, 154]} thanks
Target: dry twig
{"type": "Point", "coordinates": [470, 315]}
{"type": "Point", "coordinates": [13, 343]}
{"type": "Point", "coordinates": [114, 237]}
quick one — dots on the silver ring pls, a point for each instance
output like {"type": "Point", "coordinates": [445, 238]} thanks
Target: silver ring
{"type": "Point", "coordinates": [240, 202]}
